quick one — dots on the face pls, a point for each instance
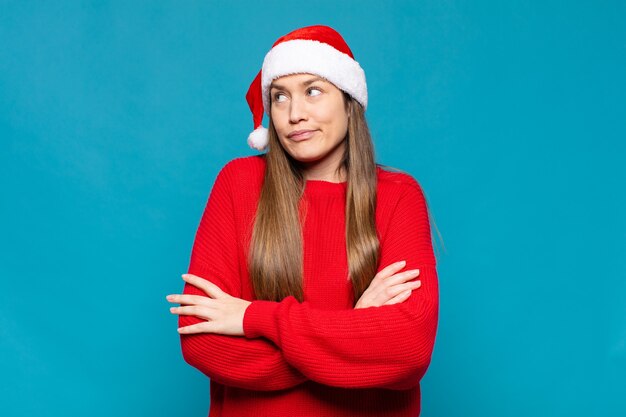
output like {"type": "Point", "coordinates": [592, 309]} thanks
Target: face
{"type": "Point", "coordinates": [308, 102]}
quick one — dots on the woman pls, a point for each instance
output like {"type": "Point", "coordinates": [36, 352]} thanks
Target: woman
{"type": "Point", "coordinates": [301, 297]}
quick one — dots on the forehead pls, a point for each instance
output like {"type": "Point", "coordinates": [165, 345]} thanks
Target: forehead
{"type": "Point", "coordinates": [295, 80]}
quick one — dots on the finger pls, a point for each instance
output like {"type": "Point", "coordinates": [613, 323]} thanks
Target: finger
{"type": "Point", "coordinates": [204, 284]}
{"type": "Point", "coordinates": [189, 299]}
{"type": "Point", "coordinates": [399, 298]}
{"type": "Point", "coordinates": [204, 327]}
{"type": "Point", "coordinates": [402, 277]}
{"type": "Point", "coordinates": [407, 286]}
{"type": "Point", "coordinates": [202, 312]}
{"type": "Point", "coordinates": [391, 292]}
{"type": "Point", "coordinates": [390, 269]}
{"type": "Point", "coordinates": [393, 280]}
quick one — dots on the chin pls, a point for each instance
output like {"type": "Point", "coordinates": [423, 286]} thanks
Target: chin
{"type": "Point", "coordinates": [305, 153]}
{"type": "Point", "coordinates": [306, 157]}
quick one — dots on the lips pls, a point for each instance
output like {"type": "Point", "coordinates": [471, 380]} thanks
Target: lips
{"type": "Point", "coordinates": [301, 134]}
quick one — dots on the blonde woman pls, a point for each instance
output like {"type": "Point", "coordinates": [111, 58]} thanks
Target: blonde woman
{"type": "Point", "coordinates": [312, 288]}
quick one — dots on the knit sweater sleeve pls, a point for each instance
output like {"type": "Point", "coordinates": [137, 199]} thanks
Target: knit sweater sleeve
{"type": "Point", "coordinates": [236, 361]}
{"type": "Point", "coordinates": [377, 347]}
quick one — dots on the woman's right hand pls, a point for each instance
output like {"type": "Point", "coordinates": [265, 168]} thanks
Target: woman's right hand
{"type": "Point", "coordinates": [389, 287]}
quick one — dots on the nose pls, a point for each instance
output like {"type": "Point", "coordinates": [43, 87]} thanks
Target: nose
{"type": "Point", "coordinates": [297, 110]}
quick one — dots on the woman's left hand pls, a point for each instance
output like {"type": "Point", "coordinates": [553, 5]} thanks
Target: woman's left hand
{"type": "Point", "coordinates": [223, 313]}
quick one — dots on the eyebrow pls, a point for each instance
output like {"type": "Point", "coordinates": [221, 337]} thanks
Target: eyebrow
{"type": "Point", "coordinates": [303, 83]}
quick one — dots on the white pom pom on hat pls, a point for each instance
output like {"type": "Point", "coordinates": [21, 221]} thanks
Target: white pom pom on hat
{"type": "Point", "coordinates": [317, 49]}
{"type": "Point", "coordinates": [259, 138]}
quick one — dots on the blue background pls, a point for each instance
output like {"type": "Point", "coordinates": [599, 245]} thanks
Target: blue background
{"type": "Point", "coordinates": [115, 118]}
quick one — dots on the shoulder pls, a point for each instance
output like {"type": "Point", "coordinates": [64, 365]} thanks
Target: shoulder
{"type": "Point", "coordinates": [399, 194]}
{"type": "Point", "coordinates": [241, 179]}
{"type": "Point", "coordinates": [395, 182]}
{"type": "Point", "coordinates": [242, 171]}
{"type": "Point", "coordinates": [243, 165]}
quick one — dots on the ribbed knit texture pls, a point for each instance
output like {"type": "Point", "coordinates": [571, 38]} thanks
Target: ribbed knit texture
{"type": "Point", "coordinates": [320, 357]}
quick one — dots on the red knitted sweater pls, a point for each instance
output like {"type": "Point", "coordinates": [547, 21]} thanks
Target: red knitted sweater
{"type": "Point", "coordinates": [320, 357]}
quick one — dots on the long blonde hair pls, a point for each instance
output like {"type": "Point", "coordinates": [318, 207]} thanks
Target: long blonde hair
{"type": "Point", "coordinates": [275, 257]}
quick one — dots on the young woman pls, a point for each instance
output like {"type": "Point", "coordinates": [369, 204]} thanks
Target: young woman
{"type": "Point", "coordinates": [302, 297]}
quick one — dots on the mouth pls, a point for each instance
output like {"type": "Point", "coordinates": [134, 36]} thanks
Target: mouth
{"type": "Point", "coordinates": [299, 135]}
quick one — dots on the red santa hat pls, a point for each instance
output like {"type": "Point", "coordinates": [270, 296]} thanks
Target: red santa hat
{"type": "Point", "coordinates": [318, 50]}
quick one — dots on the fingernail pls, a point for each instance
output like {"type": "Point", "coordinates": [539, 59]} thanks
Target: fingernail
{"type": "Point", "coordinates": [402, 263]}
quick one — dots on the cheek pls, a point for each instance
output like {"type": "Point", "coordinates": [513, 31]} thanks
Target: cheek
{"type": "Point", "coordinates": [337, 115]}
{"type": "Point", "coordinates": [329, 117]}
{"type": "Point", "coordinates": [278, 122]}
{"type": "Point", "coordinates": [338, 121]}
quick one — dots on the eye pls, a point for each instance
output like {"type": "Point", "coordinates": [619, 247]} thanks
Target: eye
{"type": "Point", "coordinates": [277, 95]}
{"type": "Point", "coordinates": [315, 88]}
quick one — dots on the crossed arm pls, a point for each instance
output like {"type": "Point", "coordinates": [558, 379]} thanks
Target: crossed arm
{"type": "Point", "coordinates": [287, 343]}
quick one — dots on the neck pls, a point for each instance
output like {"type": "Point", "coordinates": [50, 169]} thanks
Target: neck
{"type": "Point", "coordinates": [325, 174]}
{"type": "Point", "coordinates": [326, 169]}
